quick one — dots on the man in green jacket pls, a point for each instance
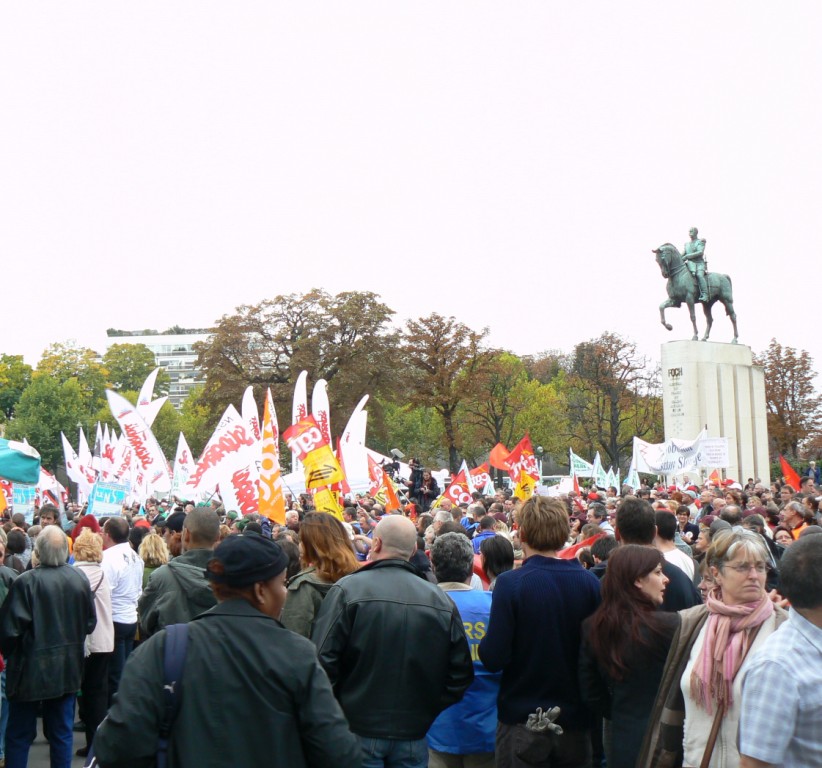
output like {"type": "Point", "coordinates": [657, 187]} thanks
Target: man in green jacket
{"type": "Point", "coordinates": [178, 592]}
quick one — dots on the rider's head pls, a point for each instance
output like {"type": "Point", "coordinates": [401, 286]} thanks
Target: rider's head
{"type": "Point", "coordinates": [693, 232]}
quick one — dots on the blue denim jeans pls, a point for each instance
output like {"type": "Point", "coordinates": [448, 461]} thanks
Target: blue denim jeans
{"type": "Point", "coordinates": [58, 719]}
{"type": "Point", "coordinates": [390, 753]}
{"type": "Point", "coordinates": [123, 646]}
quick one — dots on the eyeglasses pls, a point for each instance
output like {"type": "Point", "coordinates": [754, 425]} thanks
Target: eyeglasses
{"type": "Point", "coordinates": [742, 568]}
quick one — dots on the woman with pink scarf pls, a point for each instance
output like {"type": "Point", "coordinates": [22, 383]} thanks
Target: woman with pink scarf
{"type": "Point", "coordinates": [695, 718]}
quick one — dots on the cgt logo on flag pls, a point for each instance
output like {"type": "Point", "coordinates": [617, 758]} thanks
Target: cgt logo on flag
{"type": "Point", "coordinates": [306, 440]}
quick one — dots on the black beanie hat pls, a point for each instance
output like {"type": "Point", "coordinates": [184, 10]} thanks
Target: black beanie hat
{"type": "Point", "coordinates": [246, 559]}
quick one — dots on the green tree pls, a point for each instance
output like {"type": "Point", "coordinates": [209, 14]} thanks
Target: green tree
{"type": "Point", "coordinates": [446, 359]}
{"type": "Point", "coordinates": [794, 406]}
{"type": "Point", "coordinates": [416, 431]}
{"type": "Point", "coordinates": [46, 408]}
{"type": "Point", "coordinates": [197, 422]}
{"type": "Point", "coordinates": [613, 395]}
{"type": "Point", "coordinates": [345, 339]}
{"type": "Point", "coordinates": [15, 376]}
{"type": "Point", "coordinates": [129, 365]}
{"type": "Point", "coordinates": [70, 361]}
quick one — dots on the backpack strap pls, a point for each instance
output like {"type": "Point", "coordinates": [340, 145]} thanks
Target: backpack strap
{"type": "Point", "coordinates": [174, 657]}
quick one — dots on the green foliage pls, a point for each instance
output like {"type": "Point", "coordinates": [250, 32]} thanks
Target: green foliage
{"type": "Point", "coordinates": [15, 376]}
{"type": "Point", "coordinates": [129, 365]}
{"type": "Point", "coordinates": [70, 361]}
{"type": "Point", "coordinates": [197, 422]}
{"type": "Point", "coordinates": [416, 431]}
{"type": "Point", "coordinates": [46, 408]}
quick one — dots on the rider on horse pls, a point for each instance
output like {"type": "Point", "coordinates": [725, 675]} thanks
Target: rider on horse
{"type": "Point", "coordinates": [694, 256]}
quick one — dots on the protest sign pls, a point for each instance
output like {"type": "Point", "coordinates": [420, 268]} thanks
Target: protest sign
{"type": "Point", "coordinates": [107, 499]}
{"type": "Point", "coordinates": [24, 496]}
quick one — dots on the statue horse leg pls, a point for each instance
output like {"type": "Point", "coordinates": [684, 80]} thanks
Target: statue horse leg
{"type": "Point", "coordinates": [728, 303]}
{"type": "Point", "coordinates": [693, 318]}
{"type": "Point", "coordinates": [709, 319]}
{"type": "Point", "coordinates": [667, 304]}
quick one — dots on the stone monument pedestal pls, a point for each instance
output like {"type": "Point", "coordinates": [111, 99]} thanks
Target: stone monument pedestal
{"type": "Point", "coordinates": [706, 383]}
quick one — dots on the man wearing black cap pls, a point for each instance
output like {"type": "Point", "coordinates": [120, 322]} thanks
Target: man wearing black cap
{"type": "Point", "coordinates": [394, 648]}
{"type": "Point", "coordinates": [240, 663]}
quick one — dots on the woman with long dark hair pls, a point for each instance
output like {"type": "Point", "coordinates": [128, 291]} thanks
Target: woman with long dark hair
{"type": "Point", "coordinates": [624, 647]}
{"type": "Point", "coordinates": [326, 555]}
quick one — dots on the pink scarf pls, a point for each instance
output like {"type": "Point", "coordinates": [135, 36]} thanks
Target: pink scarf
{"type": "Point", "coordinates": [727, 641]}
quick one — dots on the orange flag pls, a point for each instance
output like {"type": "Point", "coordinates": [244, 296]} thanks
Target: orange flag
{"type": "Point", "coordinates": [789, 473]}
{"type": "Point", "coordinates": [271, 500]}
{"type": "Point", "coordinates": [715, 477]}
{"type": "Point", "coordinates": [499, 457]}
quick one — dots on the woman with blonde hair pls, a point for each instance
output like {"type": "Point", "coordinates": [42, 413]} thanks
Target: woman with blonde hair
{"type": "Point", "coordinates": [696, 715]}
{"type": "Point", "coordinates": [154, 553]}
{"type": "Point", "coordinates": [326, 555]}
{"type": "Point", "coordinates": [93, 701]}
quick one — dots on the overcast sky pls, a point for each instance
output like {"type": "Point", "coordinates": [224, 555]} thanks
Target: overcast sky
{"type": "Point", "coordinates": [512, 164]}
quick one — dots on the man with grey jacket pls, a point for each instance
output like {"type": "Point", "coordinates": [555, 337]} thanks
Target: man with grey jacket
{"type": "Point", "coordinates": [179, 591]}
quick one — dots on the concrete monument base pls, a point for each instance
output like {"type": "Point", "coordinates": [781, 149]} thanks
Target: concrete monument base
{"type": "Point", "coordinates": [706, 383]}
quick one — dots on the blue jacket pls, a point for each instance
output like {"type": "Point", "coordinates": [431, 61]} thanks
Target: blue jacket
{"type": "Point", "coordinates": [480, 537]}
{"type": "Point", "coordinates": [470, 726]}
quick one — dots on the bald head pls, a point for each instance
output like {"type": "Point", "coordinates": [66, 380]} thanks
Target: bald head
{"type": "Point", "coordinates": [394, 537]}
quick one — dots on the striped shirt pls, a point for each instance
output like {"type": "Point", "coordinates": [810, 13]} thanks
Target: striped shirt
{"type": "Point", "coordinates": [781, 718]}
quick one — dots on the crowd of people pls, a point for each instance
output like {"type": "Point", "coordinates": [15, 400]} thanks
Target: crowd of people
{"type": "Point", "coordinates": [667, 626]}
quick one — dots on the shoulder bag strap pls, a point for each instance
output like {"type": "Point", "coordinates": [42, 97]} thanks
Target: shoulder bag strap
{"type": "Point", "coordinates": [174, 657]}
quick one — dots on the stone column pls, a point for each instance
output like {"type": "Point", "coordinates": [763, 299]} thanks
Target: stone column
{"type": "Point", "coordinates": [707, 383]}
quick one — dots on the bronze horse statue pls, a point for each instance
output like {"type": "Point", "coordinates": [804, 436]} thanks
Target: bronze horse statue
{"type": "Point", "coordinates": [682, 288]}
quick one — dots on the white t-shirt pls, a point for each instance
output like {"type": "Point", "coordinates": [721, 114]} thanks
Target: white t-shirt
{"type": "Point", "coordinates": [682, 561]}
{"type": "Point", "coordinates": [124, 571]}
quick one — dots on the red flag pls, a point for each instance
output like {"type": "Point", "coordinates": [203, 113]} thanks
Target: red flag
{"type": "Point", "coordinates": [789, 473]}
{"type": "Point", "coordinates": [569, 553]}
{"type": "Point", "coordinates": [576, 484]}
{"type": "Point", "coordinates": [715, 477]}
{"type": "Point", "coordinates": [522, 459]}
{"type": "Point", "coordinates": [499, 457]}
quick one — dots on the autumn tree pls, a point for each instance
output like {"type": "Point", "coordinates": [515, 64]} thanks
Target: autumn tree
{"type": "Point", "coordinates": [15, 376]}
{"type": "Point", "coordinates": [612, 396]}
{"type": "Point", "coordinates": [46, 408]}
{"type": "Point", "coordinates": [129, 365]}
{"type": "Point", "coordinates": [791, 399]}
{"type": "Point", "coordinates": [446, 360]}
{"type": "Point", "coordinates": [345, 339]}
{"type": "Point", "coordinates": [498, 394]}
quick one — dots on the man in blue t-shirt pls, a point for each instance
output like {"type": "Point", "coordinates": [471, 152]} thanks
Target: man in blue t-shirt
{"type": "Point", "coordinates": [465, 729]}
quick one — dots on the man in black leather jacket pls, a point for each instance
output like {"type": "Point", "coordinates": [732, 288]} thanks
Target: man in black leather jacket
{"type": "Point", "coordinates": [43, 626]}
{"type": "Point", "coordinates": [394, 648]}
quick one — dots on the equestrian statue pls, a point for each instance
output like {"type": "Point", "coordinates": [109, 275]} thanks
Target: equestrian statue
{"type": "Point", "coordinates": [690, 282]}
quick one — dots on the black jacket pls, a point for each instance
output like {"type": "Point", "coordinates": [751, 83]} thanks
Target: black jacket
{"type": "Point", "coordinates": [394, 648]}
{"type": "Point", "coordinates": [176, 593]}
{"type": "Point", "coordinates": [43, 626]}
{"type": "Point", "coordinates": [252, 694]}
